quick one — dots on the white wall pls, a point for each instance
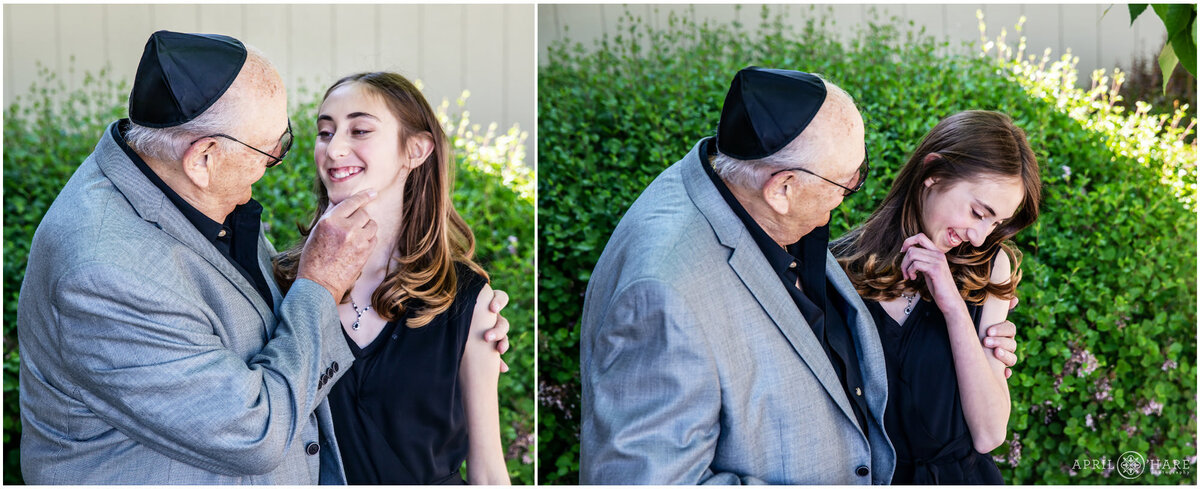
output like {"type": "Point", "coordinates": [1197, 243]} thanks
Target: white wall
{"type": "Point", "coordinates": [488, 49]}
{"type": "Point", "coordinates": [1099, 39]}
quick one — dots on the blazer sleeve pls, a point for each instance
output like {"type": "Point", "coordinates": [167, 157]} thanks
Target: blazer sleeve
{"type": "Point", "coordinates": [147, 361]}
{"type": "Point", "coordinates": [653, 416]}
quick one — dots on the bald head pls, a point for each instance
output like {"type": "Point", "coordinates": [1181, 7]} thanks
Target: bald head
{"type": "Point", "coordinates": [836, 128]}
{"type": "Point", "coordinates": [258, 77]}
{"type": "Point", "coordinates": [832, 144]}
{"type": "Point", "coordinates": [256, 82]}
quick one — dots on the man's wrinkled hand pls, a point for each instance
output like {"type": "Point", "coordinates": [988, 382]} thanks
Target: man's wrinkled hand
{"type": "Point", "coordinates": [499, 332]}
{"type": "Point", "coordinates": [1002, 339]}
{"type": "Point", "coordinates": [338, 246]}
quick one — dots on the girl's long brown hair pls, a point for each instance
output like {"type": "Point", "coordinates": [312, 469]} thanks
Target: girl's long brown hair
{"type": "Point", "coordinates": [433, 236]}
{"type": "Point", "coordinates": [969, 145]}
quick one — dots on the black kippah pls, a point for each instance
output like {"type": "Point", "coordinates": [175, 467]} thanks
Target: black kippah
{"type": "Point", "coordinates": [182, 75]}
{"type": "Point", "coordinates": [766, 109]}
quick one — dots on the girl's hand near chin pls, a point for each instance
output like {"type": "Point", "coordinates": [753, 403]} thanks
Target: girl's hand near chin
{"type": "Point", "coordinates": [923, 259]}
{"type": "Point", "coordinates": [981, 377]}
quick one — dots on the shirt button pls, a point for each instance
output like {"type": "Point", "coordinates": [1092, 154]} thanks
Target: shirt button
{"type": "Point", "coordinates": [221, 234]}
{"type": "Point", "coordinates": [858, 391]}
{"type": "Point", "coordinates": [792, 265]}
{"type": "Point", "coordinates": [862, 471]}
{"type": "Point", "coordinates": [312, 448]}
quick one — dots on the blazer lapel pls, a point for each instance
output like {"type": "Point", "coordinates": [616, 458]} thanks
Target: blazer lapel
{"type": "Point", "coordinates": [750, 265]}
{"type": "Point", "coordinates": [153, 206]}
{"type": "Point", "coordinates": [266, 252]}
{"type": "Point", "coordinates": [866, 340]}
{"type": "Point", "coordinates": [756, 274]}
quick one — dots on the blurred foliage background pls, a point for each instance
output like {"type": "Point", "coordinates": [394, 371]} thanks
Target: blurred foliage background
{"type": "Point", "coordinates": [1107, 321]}
{"type": "Point", "coordinates": [49, 133]}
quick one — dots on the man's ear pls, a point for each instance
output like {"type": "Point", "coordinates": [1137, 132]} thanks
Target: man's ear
{"type": "Point", "coordinates": [198, 162]}
{"type": "Point", "coordinates": [418, 148]}
{"type": "Point", "coordinates": [777, 190]}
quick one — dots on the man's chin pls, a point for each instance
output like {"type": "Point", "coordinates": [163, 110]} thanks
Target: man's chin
{"type": "Point", "coordinates": [824, 221]}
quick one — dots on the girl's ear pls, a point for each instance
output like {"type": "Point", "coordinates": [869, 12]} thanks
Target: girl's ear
{"type": "Point", "coordinates": [418, 148]}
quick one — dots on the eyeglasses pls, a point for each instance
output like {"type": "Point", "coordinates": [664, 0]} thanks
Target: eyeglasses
{"type": "Point", "coordinates": [859, 179]}
{"type": "Point", "coordinates": [285, 142]}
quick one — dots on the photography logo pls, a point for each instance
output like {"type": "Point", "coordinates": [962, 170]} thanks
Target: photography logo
{"type": "Point", "coordinates": [1131, 465]}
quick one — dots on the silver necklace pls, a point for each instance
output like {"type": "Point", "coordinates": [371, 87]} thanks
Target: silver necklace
{"type": "Point", "coordinates": [358, 313]}
{"type": "Point", "coordinates": [907, 309]}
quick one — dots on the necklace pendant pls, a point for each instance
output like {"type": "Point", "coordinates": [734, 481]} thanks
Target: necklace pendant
{"type": "Point", "coordinates": [907, 310]}
{"type": "Point", "coordinates": [357, 313]}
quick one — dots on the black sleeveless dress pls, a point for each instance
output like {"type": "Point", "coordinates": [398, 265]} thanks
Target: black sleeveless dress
{"type": "Point", "coordinates": [398, 413]}
{"type": "Point", "coordinates": [924, 415]}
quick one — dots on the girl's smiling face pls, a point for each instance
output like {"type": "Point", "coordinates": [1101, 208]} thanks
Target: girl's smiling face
{"type": "Point", "coordinates": [968, 211]}
{"type": "Point", "coordinates": [358, 144]}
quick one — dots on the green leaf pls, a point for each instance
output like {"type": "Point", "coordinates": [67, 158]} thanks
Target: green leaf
{"type": "Point", "coordinates": [1167, 62]}
{"type": "Point", "coordinates": [1184, 45]}
{"type": "Point", "coordinates": [1175, 17]}
{"type": "Point", "coordinates": [1136, 9]}
{"type": "Point", "coordinates": [1179, 19]}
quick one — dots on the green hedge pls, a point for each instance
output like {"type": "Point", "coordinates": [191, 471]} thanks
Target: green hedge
{"type": "Point", "coordinates": [48, 134]}
{"type": "Point", "coordinates": [1106, 325]}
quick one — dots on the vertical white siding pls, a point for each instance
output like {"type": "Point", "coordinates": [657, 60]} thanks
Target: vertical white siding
{"type": "Point", "coordinates": [487, 49]}
{"type": "Point", "coordinates": [1099, 35]}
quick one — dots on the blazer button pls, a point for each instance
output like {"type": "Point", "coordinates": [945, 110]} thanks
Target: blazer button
{"type": "Point", "coordinates": [335, 366]}
{"type": "Point", "coordinates": [312, 448]}
{"type": "Point", "coordinates": [324, 379]}
{"type": "Point", "coordinates": [329, 372]}
{"type": "Point", "coordinates": [862, 471]}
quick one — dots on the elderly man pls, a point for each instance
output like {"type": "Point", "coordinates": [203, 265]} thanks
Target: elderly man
{"type": "Point", "coordinates": [721, 342]}
{"type": "Point", "coordinates": [155, 346]}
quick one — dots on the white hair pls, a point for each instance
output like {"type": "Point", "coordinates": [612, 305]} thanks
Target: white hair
{"type": "Point", "coordinates": [755, 173]}
{"type": "Point", "coordinates": [170, 143]}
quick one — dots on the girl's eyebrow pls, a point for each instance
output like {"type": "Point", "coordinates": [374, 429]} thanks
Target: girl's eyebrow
{"type": "Point", "coordinates": [353, 115]}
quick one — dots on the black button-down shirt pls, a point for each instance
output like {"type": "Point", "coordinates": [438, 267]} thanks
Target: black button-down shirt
{"type": "Point", "coordinates": [820, 304]}
{"type": "Point", "coordinates": [236, 238]}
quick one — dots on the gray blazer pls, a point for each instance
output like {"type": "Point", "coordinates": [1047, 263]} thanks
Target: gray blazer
{"type": "Point", "coordinates": [147, 358]}
{"type": "Point", "coordinates": [699, 368]}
